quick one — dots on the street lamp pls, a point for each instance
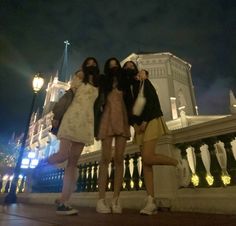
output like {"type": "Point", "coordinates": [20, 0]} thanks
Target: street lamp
{"type": "Point", "coordinates": [11, 197]}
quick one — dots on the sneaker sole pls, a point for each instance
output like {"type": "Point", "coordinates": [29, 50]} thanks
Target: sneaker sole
{"type": "Point", "coordinates": [67, 213]}
{"type": "Point", "coordinates": [102, 211]}
{"type": "Point", "coordinates": [148, 213]}
{"type": "Point", "coordinates": [117, 212]}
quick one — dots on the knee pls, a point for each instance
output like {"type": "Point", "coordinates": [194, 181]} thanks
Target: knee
{"type": "Point", "coordinates": [75, 155]}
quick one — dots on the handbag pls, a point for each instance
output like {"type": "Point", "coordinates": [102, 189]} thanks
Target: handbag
{"type": "Point", "coordinates": [140, 101]}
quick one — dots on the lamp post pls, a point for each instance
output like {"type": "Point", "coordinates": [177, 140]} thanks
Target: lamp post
{"type": "Point", "coordinates": [11, 197]}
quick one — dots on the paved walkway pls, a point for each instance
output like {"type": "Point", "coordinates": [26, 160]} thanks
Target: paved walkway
{"type": "Point", "coordinates": [44, 215]}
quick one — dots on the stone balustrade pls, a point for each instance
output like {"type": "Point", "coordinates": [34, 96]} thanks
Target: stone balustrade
{"type": "Point", "coordinates": [209, 148]}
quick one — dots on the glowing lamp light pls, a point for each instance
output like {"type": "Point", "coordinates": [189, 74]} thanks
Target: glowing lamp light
{"type": "Point", "coordinates": [109, 185]}
{"type": "Point", "coordinates": [181, 108]}
{"type": "Point", "coordinates": [11, 197]}
{"type": "Point", "coordinates": [226, 179]}
{"type": "Point", "coordinates": [31, 155]}
{"type": "Point", "coordinates": [195, 180]}
{"type": "Point", "coordinates": [132, 184]}
{"type": "Point", "coordinates": [37, 83]}
{"type": "Point", "coordinates": [210, 179]}
{"type": "Point", "coordinates": [34, 163]}
{"type": "Point", "coordinates": [123, 184]}
{"type": "Point", "coordinates": [234, 105]}
{"type": "Point", "coordinates": [25, 163]}
{"type": "Point", "coordinates": [5, 177]}
{"type": "Point", "coordinates": [140, 183]}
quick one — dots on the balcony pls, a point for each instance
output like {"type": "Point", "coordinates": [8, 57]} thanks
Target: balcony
{"type": "Point", "coordinates": [210, 149]}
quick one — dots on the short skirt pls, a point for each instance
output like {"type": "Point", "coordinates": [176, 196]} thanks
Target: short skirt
{"type": "Point", "coordinates": [154, 130]}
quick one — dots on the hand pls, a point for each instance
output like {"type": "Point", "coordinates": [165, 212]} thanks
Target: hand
{"type": "Point", "coordinates": [143, 126]}
{"type": "Point", "coordinates": [73, 90]}
{"type": "Point", "coordinates": [142, 75]}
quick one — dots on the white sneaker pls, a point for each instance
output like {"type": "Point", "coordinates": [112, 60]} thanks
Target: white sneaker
{"type": "Point", "coordinates": [183, 173]}
{"type": "Point", "coordinates": [150, 207]}
{"type": "Point", "coordinates": [115, 206]}
{"type": "Point", "coordinates": [102, 207]}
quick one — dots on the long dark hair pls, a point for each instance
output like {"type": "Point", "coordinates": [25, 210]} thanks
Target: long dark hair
{"type": "Point", "coordinates": [95, 79]}
{"type": "Point", "coordinates": [108, 79]}
{"type": "Point", "coordinates": [107, 65]}
{"type": "Point", "coordinates": [132, 62]}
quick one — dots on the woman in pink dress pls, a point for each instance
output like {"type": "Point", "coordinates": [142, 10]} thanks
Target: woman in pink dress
{"type": "Point", "coordinates": [113, 126]}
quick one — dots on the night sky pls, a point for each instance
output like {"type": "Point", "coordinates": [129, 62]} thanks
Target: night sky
{"type": "Point", "coordinates": [201, 32]}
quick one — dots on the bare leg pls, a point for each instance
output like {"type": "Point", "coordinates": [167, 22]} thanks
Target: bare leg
{"type": "Point", "coordinates": [149, 159]}
{"type": "Point", "coordinates": [63, 153]}
{"type": "Point", "coordinates": [119, 165]}
{"type": "Point", "coordinates": [70, 175]}
{"type": "Point", "coordinates": [103, 166]}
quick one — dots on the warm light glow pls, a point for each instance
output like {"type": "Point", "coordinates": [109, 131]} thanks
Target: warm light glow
{"type": "Point", "coordinates": [31, 155]}
{"type": "Point", "coordinates": [234, 105]}
{"type": "Point", "coordinates": [37, 83]}
{"type": "Point", "coordinates": [132, 184]}
{"type": "Point", "coordinates": [5, 177]}
{"type": "Point", "coordinates": [34, 163]}
{"type": "Point", "coordinates": [226, 179]}
{"type": "Point", "coordinates": [210, 179]}
{"type": "Point", "coordinates": [181, 108]}
{"type": "Point", "coordinates": [196, 107]}
{"type": "Point", "coordinates": [195, 180]}
{"type": "Point", "coordinates": [140, 183]}
{"type": "Point", "coordinates": [123, 184]}
{"type": "Point", "coordinates": [25, 163]}
{"type": "Point", "coordinates": [174, 108]}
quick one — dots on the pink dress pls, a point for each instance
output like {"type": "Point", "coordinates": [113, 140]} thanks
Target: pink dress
{"type": "Point", "coordinates": [114, 121]}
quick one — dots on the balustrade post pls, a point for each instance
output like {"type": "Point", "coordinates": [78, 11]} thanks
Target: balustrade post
{"type": "Point", "coordinates": [200, 168]}
{"type": "Point", "coordinates": [231, 163]}
{"type": "Point", "coordinates": [127, 175]}
{"type": "Point", "coordinates": [95, 177]}
{"type": "Point", "coordinates": [135, 176]}
{"type": "Point", "coordinates": [215, 167]}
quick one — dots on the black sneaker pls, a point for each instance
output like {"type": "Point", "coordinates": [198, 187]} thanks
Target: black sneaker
{"type": "Point", "coordinates": [63, 209]}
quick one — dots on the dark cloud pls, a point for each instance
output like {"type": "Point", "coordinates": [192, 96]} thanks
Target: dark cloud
{"type": "Point", "coordinates": [202, 32]}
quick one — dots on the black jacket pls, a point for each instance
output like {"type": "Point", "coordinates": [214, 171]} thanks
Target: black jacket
{"type": "Point", "coordinates": [152, 107]}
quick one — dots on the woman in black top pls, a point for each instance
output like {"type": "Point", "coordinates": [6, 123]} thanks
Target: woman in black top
{"type": "Point", "coordinates": [149, 127]}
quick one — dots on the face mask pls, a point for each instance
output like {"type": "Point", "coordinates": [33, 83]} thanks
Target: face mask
{"type": "Point", "coordinates": [130, 73]}
{"type": "Point", "coordinates": [114, 71]}
{"type": "Point", "coordinates": [91, 70]}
